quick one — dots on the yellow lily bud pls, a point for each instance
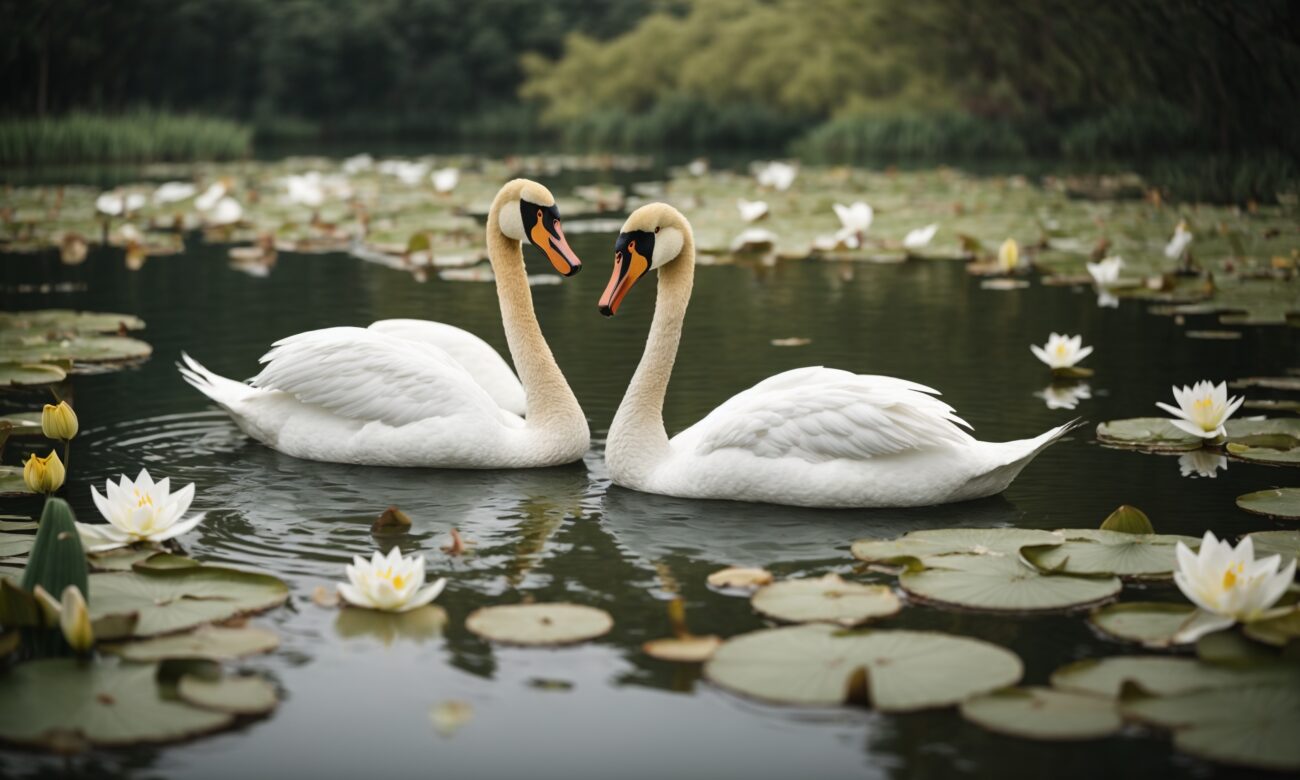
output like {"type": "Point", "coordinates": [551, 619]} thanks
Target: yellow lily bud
{"type": "Point", "coordinates": [59, 422]}
{"type": "Point", "coordinates": [44, 475]}
{"type": "Point", "coordinates": [75, 620]}
{"type": "Point", "coordinates": [51, 610]}
{"type": "Point", "coordinates": [1009, 255]}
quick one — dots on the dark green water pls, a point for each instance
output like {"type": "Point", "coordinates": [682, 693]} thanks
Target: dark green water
{"type": "Point", "coordinates": [358, 705]}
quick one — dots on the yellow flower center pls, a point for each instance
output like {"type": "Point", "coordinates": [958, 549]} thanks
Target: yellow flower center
{"type": "Point", "coordinates": [1204, 402]}
{"type": "Point", "coordinates": [387, 574]}
{"type": "Point", "coordinates": [1230, 576]}
{"type": "Point", "coordinates": [1060, 350]}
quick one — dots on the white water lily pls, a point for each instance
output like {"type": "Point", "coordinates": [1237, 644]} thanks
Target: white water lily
{"type": "Point", "coordinates": [445, 179]}
{"type": "Point", "coordinates": [173, 192]}
{"type": "Point", "coordinates": [777, 175]}
{"type": "Point", "coordinates": [139, 511]}
{"type": "Point", "coordinates": [411, 173]}
{"type": "Point", "coordinates": [389, 583]}
{"type": "Point", "coordinates": [855, 218]}
{"type": "Point", "coordinates": [210, 197]}
{"type": "Point", "coordinates": [1227, 584]}
{"type": "Point", "coordinates": [358, 163]}
{"type": "Point", "coordinates": [1009, 256]}
{"type": "Point", "coordinates": [753, 240]}
{"type": "Point", "coordinates": [1061, 351]}
{"type": "Point", "coordinates": [1178, 243]}
{"type": "Point", "coordinates": [920, 237]}
{"type": "Point", "coordinates": [117, 203]}
{"type": "Point", "coordinates": [305, 189]}
{"type": "Point", "coordinates": [698, 167]}
{"type": "Point", "coordinates": [1202, 408]}
{"type": "Point", "coordinates": [226, 212]}
{"type": "Point", "coordinates": [751, 210]}
{"type": "Point", "coordinates": [1058, 396]}
{"type": "Point", "coordinates": [1106, 273]}
{"type": "Point", "coordinates": [1202, 463]}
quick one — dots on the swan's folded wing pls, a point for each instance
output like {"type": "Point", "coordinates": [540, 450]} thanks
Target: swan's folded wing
{"type": "Point", "coordinates": [365, 375]}
{"type": "Point", "coordinates": [818, 414]}
{"type": "Point", "coordinates": [474, 354]}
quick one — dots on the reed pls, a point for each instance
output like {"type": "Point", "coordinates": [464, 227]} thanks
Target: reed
{"type": "Point", "coordinates": [141, 136]}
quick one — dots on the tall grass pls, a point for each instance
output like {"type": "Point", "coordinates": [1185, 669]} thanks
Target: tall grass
{"type": "Point", "coordinates": [867, 137]}
{"type": "Point", "coordinates": [141, 136]}
{"type": "Point", "coordinates": [683, 122]}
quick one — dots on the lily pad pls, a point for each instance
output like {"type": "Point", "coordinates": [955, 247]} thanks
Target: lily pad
{"type": "Point", "coordinates": [1044, 713]}
{"type": "Point", "coordinates": [1283, 543]}
{"type": "Point", "coordinates": [1129, 520]}
{"type": "Point", "coordinates": [21, 424]}
{"type": "Point", "coordinates": [684, 649]}
{"type": "Point", "coordinates": [17, 523]}
{"type": "Point", "coordinates": [30, 374]}
{"type": "Point", "coordinates": [1005, 584]}
{"type": "Point", "coordinates": [11, 482]}
{"type": "Point", "coordinates": [80, 349]}
{"type": "Point", "coordinates": [896, 671]}
{"type": "Point", "coordinates": [66, 321]}
{"type": "Point", "coordinates": [740, 578]}
{"type": "Point", "coordinates": [15, 544]}
{"type": "Point", "coordinates": [1156, 434]}
{"type": "Point", "coordinates": [1268, 456]}
{"type": "Point", "coordinates": [1247, 726]}
{"type": "Point", "coordinates": [1278, 503]}
{"type": "Point", "coordinates": [932, 547]}
{"type": "Point", "coordinates": [828, 599]}
{"type": "Point", "coordinates": [247, 695]}
{"type": "Point", "coordinates": [1278, 631]}
{"type": "Point", "coordinates": [539, 624]}
{"type": "Point", "coordinates": [60, 703]}
{"type": "Point", "coordinates": [1088, 551]}
{"type": "Point", "coordinates": [121, 559]}
{"type": "Point", "coordinates": [216, 643]}
{"type": "Point", "coordinates": [1154, 624]}
{"type": "Point", "coordinates": [1156, 675]}
{"type": "Point", "coordinates": [171, 600]}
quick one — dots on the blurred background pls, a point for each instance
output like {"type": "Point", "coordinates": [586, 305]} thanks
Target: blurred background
{"type": "Point", "coordinates": [1198, 94]}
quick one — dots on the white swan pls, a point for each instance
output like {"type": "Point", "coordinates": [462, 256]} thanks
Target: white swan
{"type": "Point", "coordinates": [816, 437]}
{"type": "Point", "coordinates": [413, 393]}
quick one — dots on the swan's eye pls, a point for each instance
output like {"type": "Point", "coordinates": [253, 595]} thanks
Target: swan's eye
{"type": "Point", "coordinates": [656, 230]}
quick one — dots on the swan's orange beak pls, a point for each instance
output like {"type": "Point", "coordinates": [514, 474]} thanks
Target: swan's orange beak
{"type": "Point", "coordinates": [547, 234]}
{"type": "Point", "coordinates": [632, 254]}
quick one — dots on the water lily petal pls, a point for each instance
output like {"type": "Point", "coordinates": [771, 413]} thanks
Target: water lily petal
{"type": "Point", "coordinates": [425, 596]}
{"type": "Point", "coordinates": [1200, 624]}
{"type": "Point", "coordinates": [176, 530]}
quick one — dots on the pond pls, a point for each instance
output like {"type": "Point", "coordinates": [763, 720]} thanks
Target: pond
{"type": "Point", "coordinates": [357, 700]}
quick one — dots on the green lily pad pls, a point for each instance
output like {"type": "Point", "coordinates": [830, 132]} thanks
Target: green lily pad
{"type": "Point", "coordinates": [418, 624]}
{"type": "Point", "coordinates": [61, 703]}
{"type": "Point", "coordinates": [11, 482]}
{"type": "Point", "coordinates": [215, 643]}
{"type": "Point", "coordinates": [539, 624]}
{"type": "Point", "coordinates": [247, 695]}
{"type": "Point", "coordinates": [21, 424]}
{"type": "Point", "coordinates": [1087, 551]}
{"type": "Point", "coordinates": [1232, 648]}
{"type": "Point", "coordinates": [171, 600]}
{"type": "Point", "coordinates": [1005, 584]}
{"type": "Point", "coordinates": [1283, 543]}
{"type": "Point", "coordinates": [1157, 675]}
{"type": "Point", "coordinates": [1155, 434]}
{"type": "Point", "coordinates": [80, 349]}
{"type": "Point", "coordinates": [827, 599]}
{"type": "Point", "coordinates": [1044, 713]}
{"type": "Point", "coordinates": [15, 544]}
{"type": "Point", "coordinates": [1245, 726]}
{"type": "Point", "coordinates": [18, 523]}
{"type": "Point", "coordinates": [30, 374]}
{"type": "Point", "coordinates": [1278, 503]}
{"type": "Point", "coordinates": [1154, 624]}
{"type": "Point", "coordinates": [65, 321]}
{"type": "Point", "coordinates": [896, 671]}
{"type": "Point", "coordinates": [121, 559]}
{"type": "Point", "coordinates": [1268, 456]}
{"type": "Point", "coordinates": [1129, 520]}
{"type": "Point", "coordinates": [1278, 631]}
{"type": "Point", "coordinates": [931, 547]}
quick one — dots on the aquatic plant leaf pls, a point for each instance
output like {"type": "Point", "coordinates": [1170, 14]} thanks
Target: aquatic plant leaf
{"type": "Point", "coordinates": [1278, 631]}
{"type": "Point", "coordinates": [1044, 713]}
{"type": "Point", "coordinates": [896, 671]}
{"type": "Point", "coordinates": [30, 374]}
{"type": "Point", "coordinates": [1232, 648]}
{"type": "Point", "coordinates": [740, 578]}
{"type": "Point", "coordinates": [1004, 584]}
{"type": "Point", "coordinates": [51, 702]}
{"type": "Point", "coordinates": [170, 600]}
{"type": "Point", "coordinates": [539, 624]}
{"type": "Point", "coordinates": [685, 650]}
{"type": "Point", "coordinates": [79, 349]}
{"type": "Point", "coordinates": [1128, 520]}
{"type": "Point", "coordinates": [828, 599]}
{"type": "Point", "coordinates": [245, 695]}
{"type": "Point", "coordinates": [930, 547]}
{"type": "Point", "coordinates": [1245, 726]}
{"type": "Point", "coordinates": [15, 544]}
{"type": "Point", "coordinates": [1088, 551]}
{"type": "Point", "coordinates": [11, 482]}
{"type": "Point", "coordinates": [1266, 455]}
{"type": "Point", "coordinates": [1278, 503]}
{"type": "Point", "coordinates": [1157, 675]}
{"type": "Point", "coordinates": [68, 321]}
{"type": "Point", "coordinates": [1151, 623]}
{"type": "Point", "coordinates": [1155, 434]}
{"type": "Point", "coordinates": [216, 643]}
{"type": "Point", "coordinates": [1283, 543]}
{"type": "Point", "coordinates": [21, 424]}
{"type": "Point", "coordinates": [17, 523]}
{"type": "Point", "coordinates": [121, 559]}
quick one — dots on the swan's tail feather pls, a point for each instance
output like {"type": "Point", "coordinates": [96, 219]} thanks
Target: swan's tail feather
{"type": "Point", "coordinates": [225, 392]}
{"type": "Point", "coordinates": [1013, 457]}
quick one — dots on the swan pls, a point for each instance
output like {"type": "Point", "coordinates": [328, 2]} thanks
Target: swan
{"type": "Point", "coordinates": [415, 393]}
{"type": "Point", "coordinates": [815, 437]}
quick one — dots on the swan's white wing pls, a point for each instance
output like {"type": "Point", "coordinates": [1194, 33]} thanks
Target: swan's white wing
{"type": "Point", "coordinates": [483, 363]}
{"type": "Point", "coordinates": [364, 375]}
{"type": "Point", "coordinates": [818, 414]}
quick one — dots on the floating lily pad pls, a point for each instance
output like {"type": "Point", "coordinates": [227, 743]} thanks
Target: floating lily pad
{"type": "Point", "coordinates": [176, 599]}
{"type": "Point", "coordinates": [931, 547]}
{"type": "Point", "coordinates": [685, 650]}
{"type": "Point", "coordinates": [10, 523]}
{"type": "Point", "coordinates": [539, 624]}
{"type": "Point", "coordinates": [740, 578]}
{"type": "Point", "coordinates": [1155, 675]}
{"type": "Point", "coordinates": [1005, 584]}
{"type": "Point", "coordinates": [1268, 456]}
{"type": "Point", "coordinates": [121, 559]}
{"type": "Point", "coordinates": [1153, 624]}
{"type": "Point", "coordinates": [1232, 648]}
{"type": "Point", "coordinates": [11, 481]}
{"type": "Point", "coordinates": [1088, 551]}
{"type": "Point", "coordinates": [247, 695]}
{"type": "Point", "coordinates": [827, 599]}
{"type": "Point", "coordinates": [1283, 543]}
{"type": "Point", "coordinates": [1044, 713]}
{"type": "Point", "coordinates": [1278, 631]}
{"type": "Point", "coordinates": [15, 544]}
{"type": "Point", "coordinates": [30, 374]}
{"type": "Point", "coordinates": [67, 321]}
{"type": "Point", "coordinates": [21, 424]}
{"type": "Point", "coordinates": [80, 349]}
{"type": "Point", "coordinates": [1129, 520]}
{"type": "Point", "coordinates": [216, 643]}
{"type": "Point", "coordinates": [417, 624]}
{"type": "Point", "coordinates": [62, 703]}
{"type": "Point", "coordinates": [1246, 726]}
{"type": "Point", "coordinates": [1156, 434]}
{"type": "Point", "coordinates": [1278, 503]}
{"type": "Point", "coordinates": [896, 671]}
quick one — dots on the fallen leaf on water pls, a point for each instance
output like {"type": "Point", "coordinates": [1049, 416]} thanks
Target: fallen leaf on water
{"type": "Point", "coordinates": [392, 521]}
{"type": "Point", "coordinates": [449, 716]}
{"type": "Point", "coordinates": [458, 545]}
{"type": "Point", "coordinates": [793, 341]}
{"type": "Point", "coordinates": [325, 597]}
{"type": "Point", "coordinates": [740, 577]}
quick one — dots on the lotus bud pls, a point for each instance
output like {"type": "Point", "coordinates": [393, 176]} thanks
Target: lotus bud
{"type": "Point", "coordinates": [75, 620]}
{"type": "Point", "coordinates": [1009, 255]}
{"type": "Point", "coordinates": [59, 422]}
{"type": "Point", "coordinates": [44, 475]}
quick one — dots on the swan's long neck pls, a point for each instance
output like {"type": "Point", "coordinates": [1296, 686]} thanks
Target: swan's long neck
{"type": "Point", "coordinates": [551, 404]}
{"type": "Point", "coordinates": [637, 439]}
